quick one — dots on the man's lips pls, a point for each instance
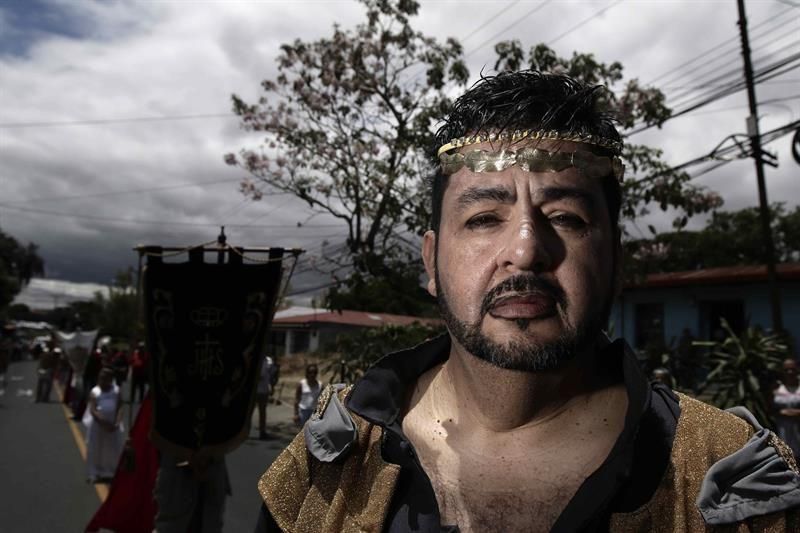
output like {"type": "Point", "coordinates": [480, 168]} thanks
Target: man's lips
{"type": "Point", "coordinates": [530, 306]}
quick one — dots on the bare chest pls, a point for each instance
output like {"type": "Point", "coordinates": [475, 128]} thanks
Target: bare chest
{"type": "Point", "coordinates": [503, 493]}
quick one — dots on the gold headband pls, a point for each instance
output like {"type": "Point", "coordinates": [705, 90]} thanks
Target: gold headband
{"type": "Point", "coordinates": [518, 135]}
{"type": "Point", "coordinates": [534, 160]}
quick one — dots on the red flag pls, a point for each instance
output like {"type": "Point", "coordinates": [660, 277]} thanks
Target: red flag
{"type": "Point", "coordinates": [130, 506]}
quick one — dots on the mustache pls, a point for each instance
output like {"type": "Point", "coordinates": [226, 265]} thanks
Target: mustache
{"type": "Point", "coordinates": [523, 284]}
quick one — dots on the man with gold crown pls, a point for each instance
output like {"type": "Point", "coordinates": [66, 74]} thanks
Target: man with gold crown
{"type": "Point", "coordinates": [525, 416]}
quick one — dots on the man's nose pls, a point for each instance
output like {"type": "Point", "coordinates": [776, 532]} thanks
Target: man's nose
{"type": "Point", "coordinates": [526, 246]}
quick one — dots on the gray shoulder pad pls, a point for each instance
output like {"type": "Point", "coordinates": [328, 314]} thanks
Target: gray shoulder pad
{"type": "Point", "coordinates": [330, 431]}
{"type": "Point", "coordinates": [757, 479]}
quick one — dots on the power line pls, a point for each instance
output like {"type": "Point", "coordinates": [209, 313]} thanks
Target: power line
{"type": "Point", "coordinates": [714, 48]}
{"type": "Point", "coordinates": [763, 102]}
{"type": "Point", "coordinates": [718, 152]}
{"type": "Point", "coordinates": [491, 19]}
{"type": "Point", "coordinates": [720, 85]}
{"type": "Point", "coordinates": [94, 122]}
{"type": "Point", "coordinates": [732, 75]}
{"type": "Point", "coordinates": [583, 22]}
{"type": "Point", "coordinates": [764, 74]}
{"type": "Point", "coordinates": [125, 191]}
{"type": "Point", "coordinates": [735, 85]}
{"type": "Point", "coordinates": [158, 222]}
{"type": "Point", "coordinates": [735, 73]}
{"type": "Point", "coordinates": [504, 30]}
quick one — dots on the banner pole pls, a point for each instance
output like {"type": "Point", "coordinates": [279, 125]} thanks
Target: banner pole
{"type": "Point", "coordinates": [138, 321]}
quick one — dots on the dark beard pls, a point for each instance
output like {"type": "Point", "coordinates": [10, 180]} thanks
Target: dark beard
{"type": "Point", "coordinates": [529, 356]}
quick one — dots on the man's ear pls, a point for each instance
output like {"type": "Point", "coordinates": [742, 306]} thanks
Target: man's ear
{"type": "Point", "coordinates": [429, 258]}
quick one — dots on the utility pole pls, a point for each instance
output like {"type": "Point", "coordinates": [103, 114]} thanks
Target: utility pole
{"type": "Point", "coordinates": [755, 142]}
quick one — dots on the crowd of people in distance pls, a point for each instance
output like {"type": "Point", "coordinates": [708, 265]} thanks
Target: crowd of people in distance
{"type": "Point", "coordinates": [91, 386]}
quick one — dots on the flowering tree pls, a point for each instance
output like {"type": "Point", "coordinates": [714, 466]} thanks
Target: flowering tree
{"type": "Point", "coordinates": [649, 180]}
{"type": "Point", "coordinates": [345, 119]}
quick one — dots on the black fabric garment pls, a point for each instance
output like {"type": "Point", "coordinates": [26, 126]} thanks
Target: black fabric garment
{"type": "Point", "coordinates": [626, 480]}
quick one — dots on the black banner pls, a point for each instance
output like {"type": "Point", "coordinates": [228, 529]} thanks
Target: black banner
{"type": "Point", "coordinates": [206, 329]}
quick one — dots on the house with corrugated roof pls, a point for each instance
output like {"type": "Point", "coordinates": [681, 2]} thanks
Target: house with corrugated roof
{"type": "Point", "coordinates": [306, 329]}
{"type": "Point", "coordinates": [660, 307]}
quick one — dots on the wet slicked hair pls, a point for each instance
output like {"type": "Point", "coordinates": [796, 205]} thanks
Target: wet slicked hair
{"type": "Point", "coordinates": [526, 99]}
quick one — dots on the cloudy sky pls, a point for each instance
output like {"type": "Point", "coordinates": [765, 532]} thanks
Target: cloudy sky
{"type": "Point", "coordinates": [115, 116]}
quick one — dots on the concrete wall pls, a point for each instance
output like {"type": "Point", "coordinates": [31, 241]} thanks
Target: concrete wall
{"type": "Point", "coordinates": [682, 308]}
{"type": "Point", "coordinates": [318, 335]}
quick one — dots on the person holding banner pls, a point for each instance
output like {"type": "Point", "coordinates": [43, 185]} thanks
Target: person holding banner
{"type": "Point", "coordinates": [104, 429]}
{"type": "Point", "coordinates": [206, 325]}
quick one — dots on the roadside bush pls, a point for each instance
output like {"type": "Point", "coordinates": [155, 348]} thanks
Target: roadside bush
{"type": "Point", "coordinates": [352, 354]}
{"type": "Point", "coordinates": [744, 369]}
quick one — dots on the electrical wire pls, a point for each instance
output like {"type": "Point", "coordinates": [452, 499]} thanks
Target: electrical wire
{"type": "Point", "coordinates": [491, 19]}
{"type": "Point", "coordinates": [763, 102]}
{"type": "Point", "coordinates": [95, 122]}
{"type": "Point", "coordinates": [583, 22]}
{"type": "Point", "coordinates": [157, 222]}
{"type": "Point", "coordinates": [731, 76]}
{"type": "Point", "coordinates": [504, 30]}
{"type": "Point", "coordinates": [715, 48]}
{"type": "Point", "coordinates": [766, 73]}
{"type": "Point", "coordinates": [718, 152]}
{"type": "Point", "coordinates": [125, 191]}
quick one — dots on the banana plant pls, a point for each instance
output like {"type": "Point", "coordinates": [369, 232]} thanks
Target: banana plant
{"type": "Point", "coordinates": [744, 369]}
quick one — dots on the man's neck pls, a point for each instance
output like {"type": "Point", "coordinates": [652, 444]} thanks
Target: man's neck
{"type": "Point", "coordinates": [497, 400]}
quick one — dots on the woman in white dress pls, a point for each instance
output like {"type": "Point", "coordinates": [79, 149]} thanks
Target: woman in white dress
{"type": "Point", "coordinates": [306, 395]}
{"type": "Point", "coordinates": [104, 430]}
{"type": "Point", "coordinates": [787, 404]}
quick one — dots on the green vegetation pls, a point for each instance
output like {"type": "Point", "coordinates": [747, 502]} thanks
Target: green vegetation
{"type": "Point", "coordinates": [745, 368]}
{"type": "Point", "coordinates": [351, 355]}
{"type": "Point", "coordinates": [729, 238]}
{"type": "Point", "coordinates": [18, 264]}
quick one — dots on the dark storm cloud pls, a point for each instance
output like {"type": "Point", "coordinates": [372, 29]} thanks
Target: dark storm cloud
{"type": "Point", "coordinates": [96, 60]}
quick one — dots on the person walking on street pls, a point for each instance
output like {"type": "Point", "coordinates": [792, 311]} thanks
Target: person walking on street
{"type": "Point", "coordinates": [191, 493]}
{"type": "Point", "coordinates": [263, 391]}
{"type": "Point", "coordinates": [48, 360]}
{"type": "Point", "coordinates": [786, 399]}
{"type": "Point", "coordinates": [140, 362]}
{"type": "Point", "coordinates": [306, 395]}
{"type": "Point", "coordinates": [120, 365]}
{"type": "Point", "coordinates": [104, 429]}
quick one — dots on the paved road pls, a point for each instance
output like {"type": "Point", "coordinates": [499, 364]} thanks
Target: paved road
{"type": "Point", "coordinates": [42, 472]}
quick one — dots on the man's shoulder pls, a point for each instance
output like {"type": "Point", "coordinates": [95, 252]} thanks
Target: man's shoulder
{"type": "Point", "coordinates": [717, 430]}
{"type": "Point", "coordinates": [727, 468]}
{"type": "Point", "coordinates": [333, 467]}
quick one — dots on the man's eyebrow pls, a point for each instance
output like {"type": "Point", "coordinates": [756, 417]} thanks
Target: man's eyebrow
{"type": "Point", "coordinates": [474, 195]}
{"type": "Point", "coordinates": [553, 194]}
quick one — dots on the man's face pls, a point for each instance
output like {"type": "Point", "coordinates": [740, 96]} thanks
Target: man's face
{"type": "Point", "coordinates": [524, 263]}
